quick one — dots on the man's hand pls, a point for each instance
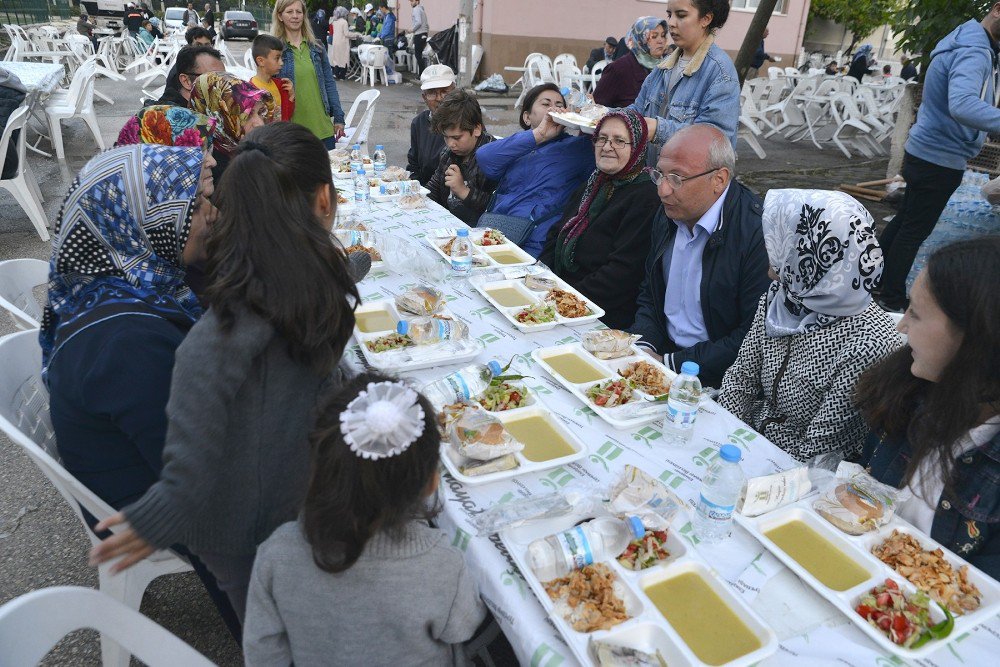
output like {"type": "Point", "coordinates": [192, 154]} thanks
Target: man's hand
{"type": "Point", "coordinates": [126, 544]}
{"type": "Point", "coordinates": [547, 130]}
{"type": "Point", "coordinates": [456, 182]}
{"type": "Point", "coordinates": [289, 88]}
{"type": "Point", "coordinates": [651, 352]}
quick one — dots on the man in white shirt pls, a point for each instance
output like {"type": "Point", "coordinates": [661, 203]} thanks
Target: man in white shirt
{"type": "Point", "coordinates": [420, 30]}
{"type": "Point", "coordinates": [707, 266]}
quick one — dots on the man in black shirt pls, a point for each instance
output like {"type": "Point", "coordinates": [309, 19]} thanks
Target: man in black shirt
{"type": "Point", "coordinates": [133, 19]}
{"type": "Point", "coordinates": [425, 145]}
{"type": "Point", "coordinates": [191, 61]}
{"type": "Point", "coordinates": [606, 52]}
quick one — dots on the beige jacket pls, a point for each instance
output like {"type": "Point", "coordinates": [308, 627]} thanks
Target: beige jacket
{"type": "Point", "coordinates": [340, 49]}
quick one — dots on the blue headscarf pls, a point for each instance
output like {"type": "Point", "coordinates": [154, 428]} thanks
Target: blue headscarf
{"type": "Point", "coordinates": [636, 40]}
{"type": "Point", "coordinates": [119, 239]}
{"type": "Point", "coordinates": [865, 51]}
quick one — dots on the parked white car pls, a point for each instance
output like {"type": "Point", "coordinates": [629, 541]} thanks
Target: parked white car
{"type": "Point", "coordinates": [173, 18]}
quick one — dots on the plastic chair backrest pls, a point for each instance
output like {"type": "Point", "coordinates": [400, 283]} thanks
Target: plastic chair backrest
{"type": "Point", "coordinates": [379, 55]}
{"type": "Point", "coordinates": [24, 417]}
{"type": "Point", "coordinates": [826, 87]}
{"type": "Point", "coordinates": [775, 72]}
{"type": "Point", "coordinates": [15, 122]}
{"type": "Point", "coordinates": [32, 624]}
{"type": "Point", "coordinates": [18, 279]}
{"type": "Point", "coordinates": [532, 56]}
{"type": "Point", "coordinates": [599, 69]}
{"type": "Point", "coordinates": [564, 59]}
{"type": "Point", "coordinates": [248, 60]}
{"type": "Point", "coordinates": [367, 96]}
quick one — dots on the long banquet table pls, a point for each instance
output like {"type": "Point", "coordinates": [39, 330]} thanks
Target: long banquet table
{"type": "Point", "coordinates": [811, 631]}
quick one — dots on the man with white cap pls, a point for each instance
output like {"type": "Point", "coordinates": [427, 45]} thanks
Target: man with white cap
{"type": "Point", "coordinates": [370, 19]}
{"type": "Point", "coordinates": [425, 146]}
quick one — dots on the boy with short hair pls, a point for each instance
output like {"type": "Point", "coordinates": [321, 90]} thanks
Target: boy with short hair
{"type": "Point", "coordinates": [458, 184]}
{"type": "Point", "coordinates": [266, 51]}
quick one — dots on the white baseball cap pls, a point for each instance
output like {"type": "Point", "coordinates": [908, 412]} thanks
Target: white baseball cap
{"type": "Point", "coordinates": [354, 10]}
{"type": "Point", "coordinates": [437, 76]}
{"type": "Point", "coordinates": [368, 7]}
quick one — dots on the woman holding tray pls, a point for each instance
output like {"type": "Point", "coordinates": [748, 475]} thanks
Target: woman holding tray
{"type": "Point", "coordinates": [934, 405]}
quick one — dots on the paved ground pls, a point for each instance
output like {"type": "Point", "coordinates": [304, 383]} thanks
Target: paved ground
{"type": "Point", "coordinates": [41, 541]}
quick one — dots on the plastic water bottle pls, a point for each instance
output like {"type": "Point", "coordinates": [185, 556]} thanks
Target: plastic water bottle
{"type": "Point", "coordinates": [429, 330]}
{"type": "Point", "coordinates": [362, 195]}
{"type": "Point", "coordinates": [356, 160]}
{"type": "Point", "coordinates": [575, 99]}
{"type": "Point", "coordinates": [461, 385]}
{"type": "Point", "coordinates": [461, 253]}
{"type": "Point", "coordinates": [596, 540]}
{"type": "Point", "coordinates": [720, 490]}
{"type": "Point", "coordinates": [682, 405]}
{"type": "Point", "coordinates": [379, 160]}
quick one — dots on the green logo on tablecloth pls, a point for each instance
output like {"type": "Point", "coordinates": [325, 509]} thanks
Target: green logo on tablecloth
{"type": "Point", "coordinates": [512, 577]}
{"type": "Point", "coordinates": [546, 656]}
{"type": "Point", "coordinates": [754, 565]}
{"type": "Point", "coordinates": [890, 661]}
{"type": "Point", "coordinates": [506, 498]}
{"type": "Point", "coordinates": [377, 275]}
{"type": "Point", "coordinates": [687, 532]}
{"type": "Point", "coordinates": [566, 341]}
{"type": "Point", "coordinates": [671, 479]}
{"type": "Point", "coordinates": [585, 412]}
{"type": "Point", "coordinates": [450, 297]}
{"type": "Point", "coordinates": [461, 539]}
{"type": "Point", "coordinates": [488, 338]}
{"type": "Point", "coordinates": [600, 326]}
{"type": "Point", "coordinates": [419, 235]}
{"type": "Point", "coordinates": [372, 296]}
{"type": "Point", "coordinates": [541, 389]}
{"type": "Point", "coordinates": [557, 478]}
{"type": "Point", "coordinates": [706, 456]}
{"type": "Point", "coordinates": [525, 359]}
{"type": "Point", "coordinates": [742, 436]}
{"type": "Point", "coordinates": [483, 312]}
{"type": "Point", "coordinates": [951, 646]}
{"type": "Point", "coordinates": [647, 434]}
{"type": "Point", "coordinates": [609, 451]}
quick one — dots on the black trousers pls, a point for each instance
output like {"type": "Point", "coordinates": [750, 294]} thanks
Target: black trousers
{"type": "Point", "coordinates": [419, 43]}
{"type": "Point", "coordinates": [928, 188]}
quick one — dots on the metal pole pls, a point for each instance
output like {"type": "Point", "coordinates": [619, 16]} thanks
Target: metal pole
{"type": "Point", "coordinates": [465, 40]}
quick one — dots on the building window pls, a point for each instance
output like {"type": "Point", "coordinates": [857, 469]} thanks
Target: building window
{"type": "Point", "coordinates": [752, 4]}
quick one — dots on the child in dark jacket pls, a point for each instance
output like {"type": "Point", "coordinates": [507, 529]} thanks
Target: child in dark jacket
{"type": "Point", "coordinates": [458, 184]}
{"type": "Point", "coordinates": [266, 51]}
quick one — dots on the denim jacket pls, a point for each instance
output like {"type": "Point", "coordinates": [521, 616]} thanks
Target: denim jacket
{"type": "Point", "coordinates": [970, 525]}
{"type": "Point", "coordinates": [708, 92]}
{"type": "Point", "coordinates": [324, 75]}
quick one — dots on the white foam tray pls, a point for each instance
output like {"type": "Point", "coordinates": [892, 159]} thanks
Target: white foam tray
{"type": "Point", "coordinates": [534, 298]}
{"type": "Point", "coordinates": [442, 236]}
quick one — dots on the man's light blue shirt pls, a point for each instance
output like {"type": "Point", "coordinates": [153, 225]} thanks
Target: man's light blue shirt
{"type": "Point", "coordinates": [682, 267]}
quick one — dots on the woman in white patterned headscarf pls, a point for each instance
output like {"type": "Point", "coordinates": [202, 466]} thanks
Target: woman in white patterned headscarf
{"type": "Point", "coordinates": [816, 329]}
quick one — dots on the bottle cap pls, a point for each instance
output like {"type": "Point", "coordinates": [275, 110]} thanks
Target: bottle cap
{"type": "Point", "coordinates": [361, 172]}
{"type": "Point", "coordinates": [495, 367]}
{"type": "Point", "coordinates": [690, 367]}
{"type": "Point", "coordinates": [378, 147]}
{"type": "Point", "coordinates": [357, 147]}
{"type": "Point", "coordinates": [463, 231]}
{"type": "Point", "coordinates": [402, 327]}
{"type": "Point", "coordinates": [564, 91]}
{"type": "Point", "coordinates": [730, 453]}
{"type": "Point", "coordinates": [635, 525]}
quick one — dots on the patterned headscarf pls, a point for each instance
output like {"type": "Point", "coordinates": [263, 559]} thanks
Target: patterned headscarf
{"type": "Point", "coordinates": [822, 246]}
{"type": "Point", "coordinates": [120, 236]}
{"type": "Point", "coordinates": [229, 100]}
{"type": "Point", "coordinates": [637, 40]}
{"type": "Point", "coordinates": [601, 187]}
{"type": "Point", "coordinates": [168, 126]}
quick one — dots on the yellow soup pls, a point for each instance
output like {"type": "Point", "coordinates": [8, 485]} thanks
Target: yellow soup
{"type": "Point", "coordinates": [375, 320]}
{"type": "Point", "coordinates": [573, 368]}
{"type": "Point", "coordinates": [508, 297]}
{"type": "Point", "coordinates": [507, 257]}
{"type": "Point", "coordinates": [703, 620]}
{"type": "Point", "coordinates": [818, 556]}
{"type": "Point", "coordinates": [541, 441]}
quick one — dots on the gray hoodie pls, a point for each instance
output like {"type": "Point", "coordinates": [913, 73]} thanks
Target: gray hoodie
{"type": "Point", "coordinates": [959, 100]}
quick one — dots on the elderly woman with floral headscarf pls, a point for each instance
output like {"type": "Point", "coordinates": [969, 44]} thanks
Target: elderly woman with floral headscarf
{"type": "Point", "coordinates": [816, 329]}
{"type": "Point", "coordinates": [235, 105]}
{"type": "Point", "coordinates": [622, 79]}
{"type": "Point", "coordinates": [167, 126]}
{"type": "Point", "coordinates": [600, 244]}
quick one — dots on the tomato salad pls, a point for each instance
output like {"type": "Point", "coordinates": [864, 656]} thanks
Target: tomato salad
{"type": "Point", "coordinates": [610, 393]}
{"type": "Point", "coordinates": [905, 619]}
{"type": "Point", "coordinates": [645, 552]}
{"type": "Point", "coordinates": [501, 396]}
{"type": "Point", "coordinates": [537, 314]}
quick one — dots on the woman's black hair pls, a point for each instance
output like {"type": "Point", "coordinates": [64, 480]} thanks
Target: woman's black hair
{"type": "Point", "coordinates": [719, 9]}
{"type": "Point", "coordinates": [932, 416]}
{"type": "Point", "coordinates": [270, 254]}
{"type": "Point", "coordinates": [531, 96]}
{"type": "Point", "coordinates": [350, 498]}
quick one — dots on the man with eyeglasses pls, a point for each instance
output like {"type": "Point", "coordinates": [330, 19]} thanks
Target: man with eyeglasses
{"type": "Point", "coordinates": [707, 266]}
{"type": "Point", "coordinates": [191, 62]}
{"type": "Point", "coordinates": [425, 145]}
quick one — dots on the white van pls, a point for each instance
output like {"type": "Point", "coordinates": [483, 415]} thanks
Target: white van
{"type": "Point", "coordinates": [173, 19]}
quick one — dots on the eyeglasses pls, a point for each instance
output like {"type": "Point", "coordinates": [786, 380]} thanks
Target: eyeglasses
{"type": "Point", "coordinates": [435, 92]}
{"type": "Point", "coordinates": [674, 180]}
{"type": "Point", "coordinates": [616, 142]}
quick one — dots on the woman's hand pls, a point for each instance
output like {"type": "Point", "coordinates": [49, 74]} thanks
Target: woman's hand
{"type": "Point", "coordinates": [547, 130]}
{"type": "Point", "coordinates": [456, 182]}
{"type": "Point", "coordinates": [126, 544]}
{"type": "Point", "coordinates": [289, 88]}
{"type": "Point", "coordinates": [338, 130]}
{"type": "Point", "coordinates": [651, 127]}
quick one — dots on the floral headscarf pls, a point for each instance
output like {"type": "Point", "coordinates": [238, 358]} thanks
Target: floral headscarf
{"type": "Point", "coordinates": [119, 240]}
{"type": "Point", "coordinates": [229, 100]}
{"type": "Point", "coordinates": [168, 126]}
{"type": "Point", "coordinates": [601, 187]}
{"type": "Point", "coordinates": [637, 40]}
{"type": "Point", "coordinates": [822, 245]}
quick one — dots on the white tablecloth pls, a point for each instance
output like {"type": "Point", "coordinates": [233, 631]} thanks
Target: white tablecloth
{"type": "Point", "coordinates": [40, 77]}
{"type": "Point", "coordinates": [812, 632]}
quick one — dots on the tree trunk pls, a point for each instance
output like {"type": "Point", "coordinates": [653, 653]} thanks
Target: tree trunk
{"type": "Point", "coordinates": [752, 39]}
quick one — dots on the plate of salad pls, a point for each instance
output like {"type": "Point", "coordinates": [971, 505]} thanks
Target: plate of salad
{"type": "Point", "coordinates": [502, 395]}
{"type": "Point", "coordinates": [904, 619]}
{"type": "Point", "coordinates": [537, 314]}
{"type": "Point", "coordinates": [611, 393]}
{"type": "Point", "coordinates": [647, 551]}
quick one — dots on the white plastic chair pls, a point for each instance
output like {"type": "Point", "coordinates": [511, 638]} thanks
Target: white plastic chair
{"type": "Point", "coordinates": [76, 102]}
{"type": "Point", "coordinates": [597, 73]}
{"type": "Point", "coordinates": [248, 60]}
{"type": "Point", "coordinates": [564, 59]}
{"type": "Point", "coordinates": [564, 76]}
{"type": "Point", "coordinates": [24, 417]}
{"type": "Point", "coordinates": [18, 279]}
{"type": "Point", "coordinates": [374, 63]}
{"type": "Point", "coordinates": [358, 133]}
{"type": "Point", "coordinates": [775, 73]}
{"type": "Point", "coordinates": [23, 185]}
{"type": "Point", "coordinates": [32, 624]}
{"type": "Point", "coordinates": [851, 132]}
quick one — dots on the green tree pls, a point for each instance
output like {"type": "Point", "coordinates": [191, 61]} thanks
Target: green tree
{"type": "Point", "coordinates": [861, 18]}
{"type": "Point", "coordinates": [923, 23]}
